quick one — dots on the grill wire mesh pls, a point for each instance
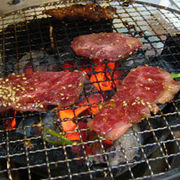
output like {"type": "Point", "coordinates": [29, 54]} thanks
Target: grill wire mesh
{"type": "Point", "coordinates": [28, 31]}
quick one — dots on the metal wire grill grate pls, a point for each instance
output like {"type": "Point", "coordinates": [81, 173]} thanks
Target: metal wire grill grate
{"type": "Point", "coordinates": [29, 32]}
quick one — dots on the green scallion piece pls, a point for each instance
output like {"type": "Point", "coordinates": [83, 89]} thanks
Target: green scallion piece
{"type": "Point", "coordinates": [173, 75]}
{"type": "Point", "coordinates": [62, 140]}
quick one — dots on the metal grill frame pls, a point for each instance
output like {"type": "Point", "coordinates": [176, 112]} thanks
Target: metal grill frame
{"type": "Point", "coordinates": [139, 8]}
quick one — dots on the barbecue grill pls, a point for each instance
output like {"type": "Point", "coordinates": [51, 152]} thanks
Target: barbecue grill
{"type": "Point", "coordinates": [30, 37]}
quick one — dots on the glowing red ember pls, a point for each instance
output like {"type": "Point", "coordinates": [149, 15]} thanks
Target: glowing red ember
{"type": "Point", "coordinates": [67, 115]}
{"type": "Point", "coordinates": [105, 77]}
{"type": "Point", "coordinates": [12, 122]}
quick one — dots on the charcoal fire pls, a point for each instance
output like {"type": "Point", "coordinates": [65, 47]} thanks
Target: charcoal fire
{"type": "Point", "coordinates": [88, 103]}
{"type": "Point", "coordinates": [44, 45]}
{"type": "Point", "coordinates": [104, 76]}
{"type": "Point", "coordinates": [34, 126]}
{"type": "Point", "coordinates": [12, 122]}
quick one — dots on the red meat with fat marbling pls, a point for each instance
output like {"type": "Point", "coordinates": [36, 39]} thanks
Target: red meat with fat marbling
{"type": "Point", "coordinates": [139, 94]}
{"type": "Point", "coordinates": [34, 92]}
{"type": "Point", "coordinates": [111, 46]}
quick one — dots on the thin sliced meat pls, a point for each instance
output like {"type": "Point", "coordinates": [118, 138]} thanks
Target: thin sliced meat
{"type": "Point", "coordinates": [153, 84]}
{"type": "Point", "coordinates": [110, 46]}
{"type": "Point", "coordinates": [36, 91]}
{"type": "Point", "coordinates": [116, 116]}
{"type": "Point", "coordinates": [140, 93]}
{"type": "Point", "coordinates": [93, 12]}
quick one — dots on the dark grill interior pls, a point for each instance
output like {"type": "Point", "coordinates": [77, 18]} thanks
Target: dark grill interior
{"type": "Point", "coordinates": [26, 37]}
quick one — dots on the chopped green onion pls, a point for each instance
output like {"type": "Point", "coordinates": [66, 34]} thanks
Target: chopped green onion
{"type": "Point", "coordinates": [62, 140]}
{"type": "Point", "coordinates": [173, 75]}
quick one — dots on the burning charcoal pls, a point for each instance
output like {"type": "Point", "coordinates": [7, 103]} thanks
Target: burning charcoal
{"type": "Point", "coordinates": [49, 119]}
{"type": "Point", "coordinates": [89, 90]}
{"type": "Point", "coordinates": [23, 52]}
{"type": "Point", "coordinates": [125, 148]}
{"type": "Point", "coordinates": [51, 131]}
{"type": "Point", "coordinates": [31, 122]}
{"type": "Point", "coordinates": [38, 61]}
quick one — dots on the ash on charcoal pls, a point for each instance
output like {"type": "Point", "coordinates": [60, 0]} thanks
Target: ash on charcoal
{"type": "Point", "coordinates": [33, 125]}
{"type": "Point", "coordinates": [28, 124]}
{"type": "Point", "coordinates": [38, 61]}
{"type": "Point", "coordinates": [126, 148]}
{"type": "Point", "coordinates": [168, 58]}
